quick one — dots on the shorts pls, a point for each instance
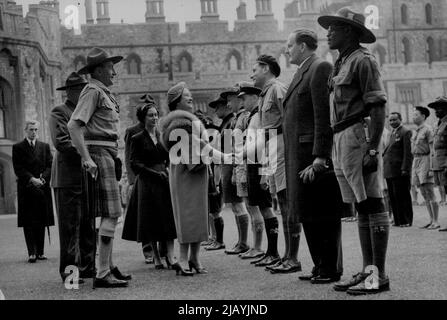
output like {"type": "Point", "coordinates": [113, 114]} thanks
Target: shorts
{"type": "Point", "coordinates": [229, 190]}
{"type": "Point", "coordinates": [277, 163]}
{"type": "Point", "coordinates": [421, 173]}
{"type": "Point", "coordinates": [439, 178]}
{"type": "Point", "coordinates": [107, 227]}
{"type": "Point", "coordinates": [242, 189]}
{"type": "Point", "coordinates": [256, 195]}
{"type": "Point", "coordinates": [350, 146]}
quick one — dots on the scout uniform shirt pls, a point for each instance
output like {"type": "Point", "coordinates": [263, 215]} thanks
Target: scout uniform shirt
{"type": "Point", "coordinates": [354, 84]}
{"type": "Point", "coordinates": [99, 111]}
{"type": "Point", "coordinates": [421, 140]}
{"type": "Point", "coordinates": [440, 145]}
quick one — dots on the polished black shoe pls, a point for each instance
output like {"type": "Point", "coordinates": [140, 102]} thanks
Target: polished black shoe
{"type": "Point", "coordinates": [110, 282]}
{"type": "Point", "coordinates": [268, 261]}
{"type": "Point", "coordinates": [180, 271]}
{"type": "Point", "coordinates": [159, 266]}
{"type": "Point", "coordinates": [258, 260]}
{"type": "Point", "coordinates": [32, 259]}
{"type": "Point", "coordinates": [286, 268]}
{"type": "Point", "coordinates": [324, 279]}
{"type": "Point", "coordinates": [276, 265]}
{"type": "Point", "coordinates": [361, 289]}
{"type": "Point", "coordinates": [119, 276]}
{"type": "Point", "coordinates": [307, 277]}
{"type": "Point", "coordinates": [41, 257]}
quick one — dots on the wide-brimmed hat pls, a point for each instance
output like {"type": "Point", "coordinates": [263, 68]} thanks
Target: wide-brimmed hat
{"type": "Point", "coordinates": [233, 91]}
{"type": "Point", "coordinates": [217, 102]}
{"type": "Point", "coordinates": [249, 89]}
{"type": "Point", "coordinates": [97, 56]}
{"type": "Point", "coordinates": [73, 80]}
{"type": "Point", "coordinates": [439, 102]}
{"type": "Point", "coordinates": [357, 20]}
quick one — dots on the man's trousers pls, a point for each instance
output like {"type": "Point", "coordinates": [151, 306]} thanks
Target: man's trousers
{"type": "Point", "coordinates": [76, 231]}
{"type": "Point", "coordinates": [399, 190]}
{"type": "Point", "coordinates": [35, 240]}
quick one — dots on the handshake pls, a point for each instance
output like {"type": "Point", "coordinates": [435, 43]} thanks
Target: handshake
{"type": "Point", "coordinates": [37, 182]}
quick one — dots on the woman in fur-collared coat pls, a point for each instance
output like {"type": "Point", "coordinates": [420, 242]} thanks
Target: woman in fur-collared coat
{"type": "Point", "coordinates": [188, 179]}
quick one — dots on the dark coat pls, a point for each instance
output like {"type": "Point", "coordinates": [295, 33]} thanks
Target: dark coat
{"type": "Point", "coordinates": [308, 135]}
{"type": "Point", "coordinates": [130, 132]}
{"type": "Point", "coordinates": [397, 156]}
{"type": "Point", "coordinates": [34, 204]}
{"type": "Point", "coordinates": [66, 171]}
{"type": "Point", "coordinates": [149, 215]}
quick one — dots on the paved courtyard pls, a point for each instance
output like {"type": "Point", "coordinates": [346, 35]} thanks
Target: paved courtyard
{"type": "Point", "coordinates": [417, 263]}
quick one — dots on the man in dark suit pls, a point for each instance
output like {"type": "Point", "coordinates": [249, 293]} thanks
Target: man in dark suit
{"type": "Point", "coordinates": [397, 162]}
{"type": "Point", "coordinates": [76, 230]}
{"type": "Point", "coordinates": [314, 198]}
{"type": "Point", "coordinates": [32, 165]}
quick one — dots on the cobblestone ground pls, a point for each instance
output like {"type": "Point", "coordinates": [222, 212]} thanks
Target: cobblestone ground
{"type": "Point", "coordinates": [417, 262]}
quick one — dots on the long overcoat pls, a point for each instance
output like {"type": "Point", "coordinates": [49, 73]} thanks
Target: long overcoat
{"type": "Point", "coordinates": [35, 206]}
{"type": "Point", "coordinates": [307, 135]}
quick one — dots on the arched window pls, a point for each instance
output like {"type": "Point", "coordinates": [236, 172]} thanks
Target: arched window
{"type": "Point", "coordinates": [431, 50]}
{"type": "Point", "coordinates": [428, 13]}
{"type": "Point", "coordinates": [133, 64]}
{"type": "Point", "coordinates": [234, 60]}
{"type": "Point", "coordinates": [380, 53]}
{"type": "Point", "coordinates": [407, 50]}
{"type": "Point", "coordinates": [404, 14]}
{"type": "Point", "coordinates": [184, 62]}
{"type": "Point", "coordinates": [79, 62]}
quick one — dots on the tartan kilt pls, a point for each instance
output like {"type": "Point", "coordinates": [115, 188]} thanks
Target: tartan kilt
{"type": "Point", "coordinates": [102, 196]}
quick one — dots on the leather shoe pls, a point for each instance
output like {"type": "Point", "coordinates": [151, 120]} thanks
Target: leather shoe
{"type": "Point", "coordinates": [276, 265]}
{"type": "Point", "coordinates": [361, 289]}
{"type": "Point", "coordinates": [110, 282]}
{"type": "Point", "coordinates": [286, 268]}
{"type": "Point", "coordinates": [32, 259]}
{"type": "Point", "coordinates": [442, 230]}
{"type": "Point", "coordinates": [215, 246]}
{"type": "Point", "coordinates": [307, 277]}
{"type": "Point", "coordinates": [324, 279]}
{"type": "Point", "coordinates": [41, 257]}
{"type": "Point", "coordinates": [118, 275]}
{"type": "Point", "coordinates": [237, 250]}
{"type": "Point", "coordinates": [258, 260]}
{"type": "Point", "coordinates": [251, 254]}
{"type": "Point", "coordinates": [268, 261]}
{"type": "Point", "coordinates": [355, 280]}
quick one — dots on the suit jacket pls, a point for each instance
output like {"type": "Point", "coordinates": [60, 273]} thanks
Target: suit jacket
{"type": "Point", "coordinates": [397, 156]}
{"type": "Point", "coordinates": [130, 132]}
{"type": "Point", "coordinates": [307, 135]}
{"type": "Point", "coordinates": [66, 170]}
{"type": "Point", "coordinates": [34, 204]}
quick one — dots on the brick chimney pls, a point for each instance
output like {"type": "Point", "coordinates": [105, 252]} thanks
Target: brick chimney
{"type": "Point", "coordinates": [209, 10]}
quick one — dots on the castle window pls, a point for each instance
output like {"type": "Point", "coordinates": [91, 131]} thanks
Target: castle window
{"type": "Point", "coordinates": [234, 60]}
{"type": "Point", "coordinates": [1, 19]}
{"type": "Point", "coordinates": [431, 50]}
{"type": "Point", "coordinates": [380, 53]}
{"type": "Point", "coordinates": [404, 14]}
{"type": "Point", "coordinates": [184, 62]}
{"type": "Point", "coordinates": [133, 64]}
{"type": "Point", "coordinates": [2, 112]}
{"type": "Point", "coordinates": [409, 96]}
{"type": "Point", "coordinates": [428, 13]}
{"type": "Point", "coordinates": [79, 62]}
{"type": "Point", "coordinates": [407, 50]}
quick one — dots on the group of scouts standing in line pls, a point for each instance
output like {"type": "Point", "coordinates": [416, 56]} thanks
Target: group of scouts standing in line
{"type": "Point", "coordinates": [323, 137]}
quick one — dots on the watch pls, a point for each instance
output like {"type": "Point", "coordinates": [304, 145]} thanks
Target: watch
{"type": "Point", "coordinates": [373, 152]}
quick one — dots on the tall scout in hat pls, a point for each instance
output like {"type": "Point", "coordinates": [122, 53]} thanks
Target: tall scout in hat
{"type": "Point", "coordinates": [76, 232]}
{"type": "Point", "coordinates": [440, 141]}
{"type": "Point", "coordinates": [357, 93]}
{"type": "Point", "coordinates": [94, 128]}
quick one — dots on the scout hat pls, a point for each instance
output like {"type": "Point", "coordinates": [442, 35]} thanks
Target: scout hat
{"type": "Point", "coordinates": [440, 102]}
{"type": "Point", "coordinates": [233, 91]}
{"type": "Point", "coordinates": [271, 62]}
{"type": "Point", "coordinates": [97, 56]}
{"type": "Point", "coordinates": [357, 20]}
{"type": "Point", "coordinates": [73, 80]}
{"type": "Point", "coordinates": [217, 102]}
{"type": "Point", "coordinates": [248, 88]}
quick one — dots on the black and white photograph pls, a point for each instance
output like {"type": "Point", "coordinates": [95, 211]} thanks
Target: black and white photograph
{"type": "Point", "coordinates": [223, 155]}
